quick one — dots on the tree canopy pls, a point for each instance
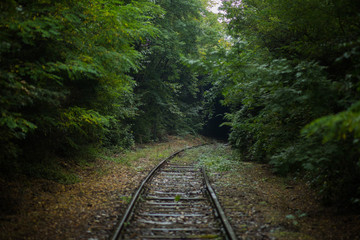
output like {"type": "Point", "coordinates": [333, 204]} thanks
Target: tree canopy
{"type": "Point", "coordinates": [91, 73]}
{"type": "Point", "coordinates": [82, 75]}
{"type": "Point", "coordinates": [290, 76]}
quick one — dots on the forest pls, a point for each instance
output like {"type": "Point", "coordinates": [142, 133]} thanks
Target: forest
{"type": "Point", "coordinates": [88, 76]}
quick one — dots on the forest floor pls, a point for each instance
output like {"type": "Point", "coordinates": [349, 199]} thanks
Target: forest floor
{"type": "Point", "coordinates": [259, 204]}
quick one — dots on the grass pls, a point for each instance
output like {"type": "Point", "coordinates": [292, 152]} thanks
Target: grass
{"type": "Point", "coordinates": [217, 157]}
{"type": "Point", "coordinates": [69, 170]}
{"type": "Point", "coordinates": [51, 170]}
{"type": "Point", "coordinates": [154, 152]}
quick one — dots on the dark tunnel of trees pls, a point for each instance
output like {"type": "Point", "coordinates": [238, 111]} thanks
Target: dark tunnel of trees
{"type": "Point", "coordinates": [82, 75]}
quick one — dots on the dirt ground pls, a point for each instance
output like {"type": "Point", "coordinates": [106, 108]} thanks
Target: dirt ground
{"type": "Point", "coordinates": [259, 205]}
{"type": "Point", "coordinates": [42, 209]}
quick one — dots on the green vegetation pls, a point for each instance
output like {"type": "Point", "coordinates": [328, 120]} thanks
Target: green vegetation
{"type": "Point", "coordinates": [217, 158]}
{"type": "Point", "coordinates": [64, 75]}
{"type": "Point", "coordinates": [83, 75]}
{"type": "Point", "coordinates": [289, 73]}
{"type": "Point", "coordinates": [51, 170]}
{"type": "Point", "coordinates": [78, 76]}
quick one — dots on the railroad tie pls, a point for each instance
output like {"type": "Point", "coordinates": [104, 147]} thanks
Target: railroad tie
{"type": "Point", "coordinates": [173, 204]}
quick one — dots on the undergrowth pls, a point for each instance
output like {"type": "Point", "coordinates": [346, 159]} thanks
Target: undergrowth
{"type": "Point", "coordinates": [217, 157]}
{"type": "Point", "coordinates": [67, 169]}
{"type": "Point", "coordinates": [51, 170]}
{"type": "Point", "coordinates": [152, 152]}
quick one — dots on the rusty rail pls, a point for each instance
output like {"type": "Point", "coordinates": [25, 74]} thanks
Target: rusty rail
{"type": "Point", "coordinates": [131, 205]}
{"type": "Point", "coordinates": [228, 229]}
{"type": "Point", "coordinates": [223, 223]}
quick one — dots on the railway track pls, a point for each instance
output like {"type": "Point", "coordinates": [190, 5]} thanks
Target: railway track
{"type": "Point", "coordinates": [175, 201]}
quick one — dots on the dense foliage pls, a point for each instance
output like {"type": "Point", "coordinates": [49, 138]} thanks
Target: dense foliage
{"type": "Point", "coordinates": [79, 75]}
{"type": "Point", "coordinates": [166, 87]}
{"type": "Point", "coordinates": [90, 73]}
{"type": "Point", "coordinates": [290, 74]}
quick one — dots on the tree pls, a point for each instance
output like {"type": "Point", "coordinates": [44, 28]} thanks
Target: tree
{"type": "Point", "coordinates": [292, 64]}
{"type": "Point", "coordinates": [167, 87]}
{"type": "Point", "coordinates": [65, 79]}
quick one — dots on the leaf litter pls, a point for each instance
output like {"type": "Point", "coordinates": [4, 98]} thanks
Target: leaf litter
{"type": "Point", "coordinates": [43, 209]}
{"type": "Point", "coordinates": [261, 205]}
{"type": "Point", "coordinates": [258, 204]}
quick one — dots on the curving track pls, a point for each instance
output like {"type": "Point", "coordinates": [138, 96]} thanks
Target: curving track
{"type": "Point", "coordinates": [175, 201]}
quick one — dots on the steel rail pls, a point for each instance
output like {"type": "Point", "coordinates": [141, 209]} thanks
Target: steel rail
{"type": "Point", "coordinates": [131, 205]}
{"type": "Point", "coordinates": [228, 229]}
